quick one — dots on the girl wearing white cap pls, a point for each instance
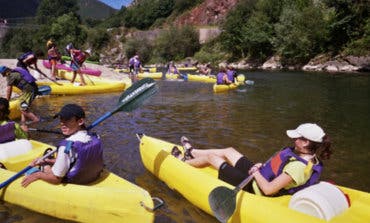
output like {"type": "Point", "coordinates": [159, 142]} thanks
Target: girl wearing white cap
{"type": "Point", "coordinates": [289, 170]}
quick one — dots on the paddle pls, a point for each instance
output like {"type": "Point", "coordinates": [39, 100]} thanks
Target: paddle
{"type": "Point", "coordinates": [130, 99]}
{"type": "Point", "coordinates": [222, 200]}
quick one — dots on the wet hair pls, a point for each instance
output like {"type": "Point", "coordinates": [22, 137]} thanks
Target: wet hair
{"type": "Point", "coordinates": [4, 109]}
{"type": "Point", "coordinates": [322, 149]}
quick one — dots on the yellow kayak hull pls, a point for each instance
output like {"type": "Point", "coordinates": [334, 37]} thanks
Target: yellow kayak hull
{"type": "Point", "coordinates": [187, 68]}
{"type": "Point", "coordinates": [154, 75]}
{"type": "Point", "coordinates": [195, 184]}
{"type": "Point", "coordinates": [218, 88]}
{"type": "Point", "coordinates": [14, 107]}
{"type": "Point", "coordinates": [109, 199]}
{"type": "Point", "coordinates": [201, 78]}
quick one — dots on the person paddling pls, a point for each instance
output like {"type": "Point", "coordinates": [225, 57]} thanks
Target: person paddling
{"type": "Point", "coordinates": [24, 81]}
{"type": "Point", "coordinates": [80, 154]}
{"type": "Point", "coordinates": [286, 172]}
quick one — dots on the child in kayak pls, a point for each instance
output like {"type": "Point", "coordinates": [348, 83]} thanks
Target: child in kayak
{"type": "Point", "coordinates": [80, 154]}
{"type": "Point", "coordinates": [289, 170]}
{"type": "Point", "coordinates": [9, 130]}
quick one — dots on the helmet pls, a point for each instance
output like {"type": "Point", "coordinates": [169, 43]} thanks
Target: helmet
{"type": "Point", "coordinates": [3, 69]}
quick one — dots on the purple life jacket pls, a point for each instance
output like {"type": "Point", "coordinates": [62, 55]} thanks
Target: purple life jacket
{"type": "Point", "coordinates": [230, 75]}
{"type": "Point", "coordinates": [137, 63]}
{"type": "Point", "coordinates": [89, 163]}
{"type": "Point", "coordinates": [220, 78]}
{"type": "Point", "coordinates": [25, 76]}
{"type": "Point", "coordinates": [7, 132]}
{"type": "Point", "coordinates": [275, 165]}
{"type": "Point", "coordinates": [131, 62]}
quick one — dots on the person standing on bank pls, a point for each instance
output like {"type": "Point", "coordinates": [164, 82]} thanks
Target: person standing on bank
{"type": "Point", "coordinates": [29, 60]}
{"type": "Point", "coordinates": [80, 154]}
{"type": "Point", "coordinates": [288, 171]}
{"type": "Point", "coordinates": [25, 82]}
{"type": "Point", "coordinates": [78, 57]}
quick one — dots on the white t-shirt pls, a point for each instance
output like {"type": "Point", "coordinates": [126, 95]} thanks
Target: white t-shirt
{"type": "Point", "coordinates": [63, 160]}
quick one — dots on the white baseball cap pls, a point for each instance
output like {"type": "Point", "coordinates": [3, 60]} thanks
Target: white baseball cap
{"type": "Point", "coordinates": [308, 131]}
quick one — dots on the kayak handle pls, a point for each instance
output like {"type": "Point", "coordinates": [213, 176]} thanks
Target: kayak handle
{"type": "Point", "coordinates": [157, 204]}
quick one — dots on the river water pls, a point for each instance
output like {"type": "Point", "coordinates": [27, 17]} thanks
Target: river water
{"type": "Point", "coordinates": [253, 120]}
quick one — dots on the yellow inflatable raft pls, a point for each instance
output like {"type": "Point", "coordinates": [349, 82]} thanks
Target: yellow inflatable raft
{"type": "Point", "coordinates": [218, 88]}
{"type": "Point", "coordinates": [108, 199]}
{"type": "Point", "coordinates": [154, 75]}
{"type": "Point", "coordinates": [195, 184]}
{"type": "Point", "coordinates": [201, 78]}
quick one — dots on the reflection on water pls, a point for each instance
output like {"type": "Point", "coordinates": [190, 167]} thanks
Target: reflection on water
{"type": "Point", "coordinates": [253, 122]}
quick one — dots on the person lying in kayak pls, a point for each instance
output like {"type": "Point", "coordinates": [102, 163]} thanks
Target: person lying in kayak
{"type": "Point", "coordinates": [9, 130]}
{"type": "Point", "coordinates": [289, 170]}
{"type": "Point", "coordinates": [80, 155]}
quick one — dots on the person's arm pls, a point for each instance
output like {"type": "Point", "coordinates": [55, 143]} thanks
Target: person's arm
{"type": "Point", "coordinates": [45, 176]}
{"type": "Point", "coordinates": [270, 188]}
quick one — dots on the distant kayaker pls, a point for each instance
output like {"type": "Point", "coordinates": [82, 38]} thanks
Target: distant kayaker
{"type": "Point", "coordinates": [24, 81]}
{"type": "Point", "coordinates": [289, 170]}
{"type": "Point", "coordinates": [9, 130]}
{"type": "Point", "coordinates": [171, 68]}
{"type": "Point", "coordinates": [205, 69]}
{"type": "Point", "coordinates": [222, 77]}
{"type": "Point", "coordinates": [231, 73]}
{"type": "Point", "coordinates": [78, 57]}
{"type": "Point", "coordinates": [54, 57]}
{"type": "Point", "coordinates": [80, 154]}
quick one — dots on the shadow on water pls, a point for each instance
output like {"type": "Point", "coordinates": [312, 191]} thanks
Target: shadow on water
{"type": "Point", "coordinates": [254, 122]}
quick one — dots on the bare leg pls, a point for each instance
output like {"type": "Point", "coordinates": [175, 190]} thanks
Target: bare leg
{"type": "Point", "coordinates": [214, 157]}
{"type": "Point", "coordinates": [74, 76]}
{"type": "Point", "coordinates": [82, 78]}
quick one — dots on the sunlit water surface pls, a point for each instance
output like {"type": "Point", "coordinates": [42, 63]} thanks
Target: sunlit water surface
{"type": "Point", "coordinates": [253, 121]}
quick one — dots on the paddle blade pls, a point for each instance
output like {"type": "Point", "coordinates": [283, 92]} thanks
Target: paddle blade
{"type": "Point", "coordinates": [44, 90]}
{"type": "Point", "coordinates": [137, 94]}
{"type": "Point", "coordinates": [222, 201]}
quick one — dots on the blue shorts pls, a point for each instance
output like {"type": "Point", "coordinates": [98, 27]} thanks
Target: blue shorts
{"type": "Point", "coordinates": [75, 66]}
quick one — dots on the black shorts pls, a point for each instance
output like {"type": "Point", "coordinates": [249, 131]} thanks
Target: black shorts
{"type": "Point", "coordinates": [235, 175]}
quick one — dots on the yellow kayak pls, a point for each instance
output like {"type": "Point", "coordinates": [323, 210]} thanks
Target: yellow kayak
{"type": "Point", "coordinates": [187, 68]}
{"type": "Point", "coordinates": [195, 184]}
{"type": "Point", "coordinates": [154, 75]}
{"type": "Point", "coordinates": [108, 199]}
{"type": "Point", "coordinates": [14, 108]}
{"type": "Point", "coordinates": [172, 76]}
{"type": "Point", "coordinates": [201, 78]}
{"type": "Point", "coordinates": [218, 88]}
{"type": "Point", "coordinates": [68, 88]}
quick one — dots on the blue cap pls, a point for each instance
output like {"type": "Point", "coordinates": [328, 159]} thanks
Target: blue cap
{"type": "Point", "coordinates": [2, 69]}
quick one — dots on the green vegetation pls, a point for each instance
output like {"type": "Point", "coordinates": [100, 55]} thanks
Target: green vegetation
{"type": "Point", "coordinates": [296, 30]}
